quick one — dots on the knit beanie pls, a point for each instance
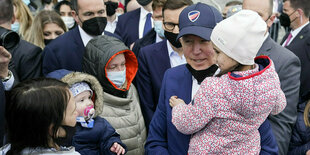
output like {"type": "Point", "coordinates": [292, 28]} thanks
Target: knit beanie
{"type": "Point", "coordinates": [80, 87]}
{"type": "Point", "coordinates": [240, 36]}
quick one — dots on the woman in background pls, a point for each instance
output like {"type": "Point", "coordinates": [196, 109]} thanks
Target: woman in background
{"type": "Point", "coordinates": [47, 26]}
{"type": "Point", "coordinates": [64, 8]}
{"type": "Point", "coordinates": [23, 18]}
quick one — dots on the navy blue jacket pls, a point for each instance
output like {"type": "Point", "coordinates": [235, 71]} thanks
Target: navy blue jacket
{"type": "Point", "coordinates": [65, 52]}
{"type": "Point", "coordinates": [153, 62]}
{"type": "Point", "coordinates": [127, 26]}
{"type": "Point", "coordinates": [300, 140]}
{"type": "Point", "coordinates": [2, 107]}
{"type": "Point", "coordinates": [148, 39]}
{"type": "Point", "coordinates": [86, 140]}
{"type": "Point", "coordinates": [300, 46]}
{"type": "Point", "coordinates": [164, 138]}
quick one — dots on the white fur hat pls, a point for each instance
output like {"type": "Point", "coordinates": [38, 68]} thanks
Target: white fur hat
{"type": "Point", "coordinates": [240, 36]}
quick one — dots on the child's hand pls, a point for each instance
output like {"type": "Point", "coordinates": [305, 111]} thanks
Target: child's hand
{"type": "Point", "coordinates": [118, 149]}
{"type": "Point", "coordinates": [174, 101]}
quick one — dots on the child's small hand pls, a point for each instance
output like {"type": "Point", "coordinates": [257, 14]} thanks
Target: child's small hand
{"type": "Point", "coordinates": [118, 149]}
{"type": "Point", "coordinates": [174, 101]}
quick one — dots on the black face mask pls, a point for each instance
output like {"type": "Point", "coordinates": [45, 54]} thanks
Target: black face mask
{"type": "Point", "coordinates": [47, 41]}
{"type": "Point", "coordinates": [144, 2]}
{"type": "Point", "coordinates": [111, 7]}
{"type": "Point", "coordinates": [94, 26]}
{"type": "Point", "coordinates": [285, 19]}
{"type": "Point", "coordinates": [172, 37]}
{"type": "Point", "coordinates": [47, 1]}
{"type": "Point", "coordinates": [200, 75]}
{"type": "Point", "coordinates": [67, 140]}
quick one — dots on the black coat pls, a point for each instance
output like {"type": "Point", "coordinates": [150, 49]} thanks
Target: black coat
{"type": "Point", "coordinates": [2, 107]}
{"type": "Point", "coordinates": [300, 46]}
{"type": "Point", "coordinates": [26, 61]}
{"type": "Point", "coordinates": [148, 39]}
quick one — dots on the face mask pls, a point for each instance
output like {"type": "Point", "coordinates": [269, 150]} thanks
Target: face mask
{"type": "Point", "coordinates": [118, 78]}
{"type": "Point", "coordinates": [69, 21]}
{"type": "Point", "coordinates": [27, 2]}
{"type": "Point", "coordinates": [285, 19]}
{"type": "Point", "coordinates": [118, 14]}
{"type": "Point", "coordinates": [158, 27]}
{"type": "Point", "coordinates": [172, 37]}
{"type": "Point", "coordinates": [67, 140]}
{"type": "Point", "coordinates": [111, 7]}
{"type": "Point", "coordinates": [47, 1]}
{"type": "Point", "coordinates": [94, 26]}
{"type": "Point", "coordinates": [47, 41]}
{"type": "Point", "coordinates": [15, 26]}
{"type": "Point", "coordinates": [144, 2]}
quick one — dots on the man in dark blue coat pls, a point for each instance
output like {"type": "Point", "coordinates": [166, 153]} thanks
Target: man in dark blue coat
{"type": "Point", "coordinates": [156, 34]}
{"type": "Point", "coordinates": [155, 59]}
{"type": "Point", "coordinates": [132, 25]}
{"type": "Point", "coordinates": [184, 80]}
{"type": "Point", "coordinates": [66, 52]}
{"type": "Point", "coordinates": [298, 39]}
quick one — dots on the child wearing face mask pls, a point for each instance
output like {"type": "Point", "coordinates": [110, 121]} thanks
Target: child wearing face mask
{"type": "Point", "coordinates": [94, 135]}
{"type": "Point", "coordinates": [227, 110]}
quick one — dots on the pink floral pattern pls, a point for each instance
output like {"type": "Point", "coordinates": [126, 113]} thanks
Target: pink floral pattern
{"type": "Point", "coordinates": [226, 113]}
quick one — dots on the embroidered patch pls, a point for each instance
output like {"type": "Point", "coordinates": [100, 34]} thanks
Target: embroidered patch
{"type": "Point", "coordinates": [193, 15]}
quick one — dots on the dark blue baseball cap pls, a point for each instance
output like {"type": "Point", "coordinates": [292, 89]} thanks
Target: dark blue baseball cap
{"type": "Point", "coordinates": [198, 19]}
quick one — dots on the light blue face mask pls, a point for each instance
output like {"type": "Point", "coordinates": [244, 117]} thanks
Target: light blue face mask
{"type": "Point", "coordinates": [118, 78]}
{"type": "Point", "coordinates": [15, 26]}
{"type": "Point", "coordinates": [27, 2]}
{"type": "Point", "coordinates": [158, 27]}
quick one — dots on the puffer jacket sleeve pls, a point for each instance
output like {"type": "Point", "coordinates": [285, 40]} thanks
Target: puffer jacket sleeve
{"type": "Point", "coordinates": [191, 118]}
{"type": "Point", "coordinates": [300, 142]}
{"type": "Point", "coordinates": [108, 137]}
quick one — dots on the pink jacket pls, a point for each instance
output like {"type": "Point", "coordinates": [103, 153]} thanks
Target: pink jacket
{"type": "Point", "coordinates": [227, 111]}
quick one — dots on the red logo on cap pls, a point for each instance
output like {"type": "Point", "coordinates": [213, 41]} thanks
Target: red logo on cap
{"type": "Point", "coordinates": [193, 15]}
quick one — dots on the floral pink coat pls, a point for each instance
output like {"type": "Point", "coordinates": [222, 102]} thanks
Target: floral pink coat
{"type": "Point", "coordinates": [227, 111]}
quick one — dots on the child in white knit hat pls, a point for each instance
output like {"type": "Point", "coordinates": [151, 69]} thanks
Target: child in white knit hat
{"type": "Point", "coordinates": [227, 110]}
{"type": "Point", "coordinates": [85, 107]}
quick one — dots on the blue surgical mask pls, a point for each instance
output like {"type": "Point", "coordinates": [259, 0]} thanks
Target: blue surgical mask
{"type": "Point", "coordinates": [15, 26]}
{"type": "Point", "coordinates": [118, 78]}
{"type": "Point", "coordinates": [27, 2]}
{"type": "Point", "coordinates": [158, 27]}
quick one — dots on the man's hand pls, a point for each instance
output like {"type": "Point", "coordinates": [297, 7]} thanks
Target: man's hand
{"type": "Point", "coordinates": [5, 58]}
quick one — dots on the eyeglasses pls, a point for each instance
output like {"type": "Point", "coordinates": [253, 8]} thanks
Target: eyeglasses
{"type": "Point", "coordinates": [170, 26]}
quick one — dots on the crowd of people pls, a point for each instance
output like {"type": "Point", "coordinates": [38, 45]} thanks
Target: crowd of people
{"type": "Point", "coordinates": [154, 77]}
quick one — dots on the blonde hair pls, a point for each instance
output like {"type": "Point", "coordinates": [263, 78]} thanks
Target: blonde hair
{"type": "Point", "coordinates": [24, 17]}
{"type": "Point", "coordinates": [306, 114]}
{"type": "Point", "coordinates": [44, 17]}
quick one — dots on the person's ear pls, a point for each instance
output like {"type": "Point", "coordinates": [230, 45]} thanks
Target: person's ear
{"type": "Point", "coordinates": [76, 17]}
{"type": "Point", "coordinates": [13, 19]}
{"type": "Point", "coordinates": [271, 19]}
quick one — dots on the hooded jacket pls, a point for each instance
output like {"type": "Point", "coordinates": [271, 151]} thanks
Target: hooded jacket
{"type": "Point", "coordinates": [100, 138]}
{"type": "Point", "coordinates": [121, 105]}
{"type": "Point", "coordinates": [227, 111]}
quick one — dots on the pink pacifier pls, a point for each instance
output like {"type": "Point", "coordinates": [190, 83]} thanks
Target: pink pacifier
{"type": "Point", "coordinates": [89, 112]}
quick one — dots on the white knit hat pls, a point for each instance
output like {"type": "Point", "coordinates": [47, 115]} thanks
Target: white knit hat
{"type": "Point", "coordinates": [80, 87]}
{"type": "Point", "coordinates": [240, 36]}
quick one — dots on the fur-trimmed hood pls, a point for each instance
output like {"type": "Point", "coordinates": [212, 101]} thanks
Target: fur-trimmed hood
{"type": "Point", "coordinates": [71, 78]}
